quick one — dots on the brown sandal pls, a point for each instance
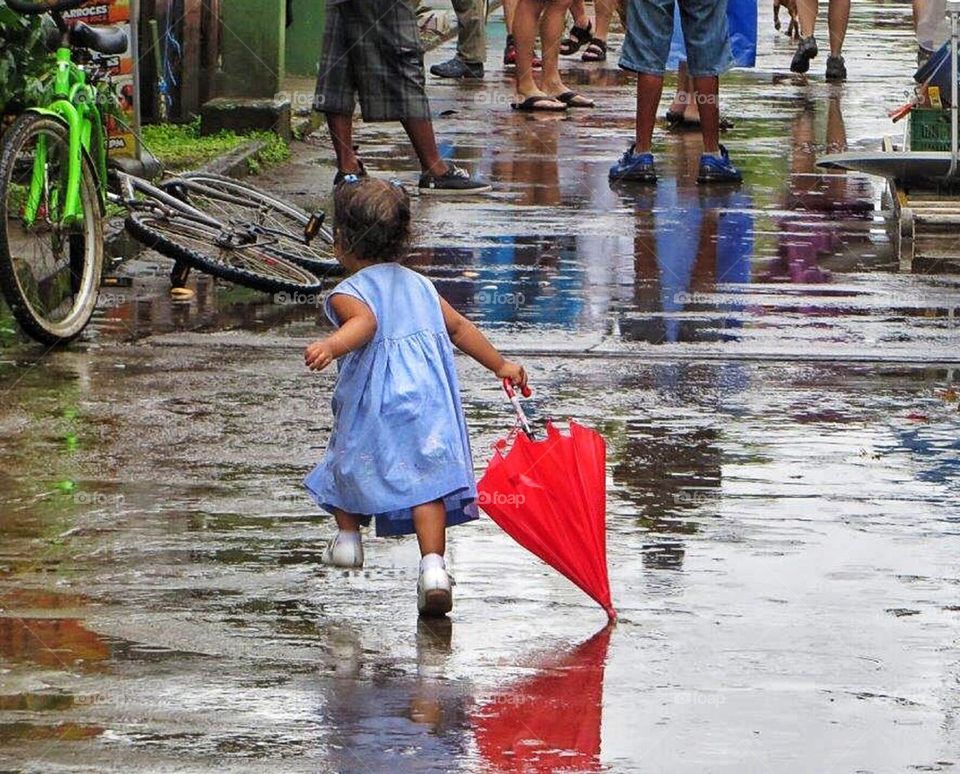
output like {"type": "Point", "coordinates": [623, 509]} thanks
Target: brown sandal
{"type": "Point", "coordinates": [596, 51]}
{"type": "Point", "coordinates": [577, 39]}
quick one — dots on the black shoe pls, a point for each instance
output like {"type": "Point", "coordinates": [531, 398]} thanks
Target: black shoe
{"type": "Point", "coordinates": [806, 50]}
{"type": "Point", "coordinates": [339, 177]}
{"type": "Point", "coordinates": [457, 68]}
{"type": "Point", "coordinates": [453, 181]}
{"type": "Point", "coordinates": [836, 69]}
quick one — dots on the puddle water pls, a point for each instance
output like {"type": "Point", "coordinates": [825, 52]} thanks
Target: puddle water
{"type": "Point", "coordinates": [777, 391]}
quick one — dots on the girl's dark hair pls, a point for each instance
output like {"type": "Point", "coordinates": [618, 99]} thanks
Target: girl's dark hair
{"type": "Point", "coordinates": [372, 219]}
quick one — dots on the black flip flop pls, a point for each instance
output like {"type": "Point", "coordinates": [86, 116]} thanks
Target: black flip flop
{"type": "Point", "coordinates": [530, 105]}
{"type": "Point", "coordinates": [677, 121]}
{"type": "Point", "coordinates": [569, 98]}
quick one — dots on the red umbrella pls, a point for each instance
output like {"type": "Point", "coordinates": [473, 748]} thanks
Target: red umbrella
{"type": "Point", "coordinates": [550, 496]}
{"type": "Point", "coordinates": [551, 721]}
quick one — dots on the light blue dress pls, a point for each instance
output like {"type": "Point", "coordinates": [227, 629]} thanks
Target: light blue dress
{"type": "Point", "coordinates": [399, 436]}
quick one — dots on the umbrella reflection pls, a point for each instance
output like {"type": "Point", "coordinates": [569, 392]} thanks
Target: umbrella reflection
{"type": "Point", "coordinates": [551, 721]}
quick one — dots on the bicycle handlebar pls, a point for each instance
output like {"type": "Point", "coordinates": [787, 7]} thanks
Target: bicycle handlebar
{"type": "Point", "coordinates": [56, 6]}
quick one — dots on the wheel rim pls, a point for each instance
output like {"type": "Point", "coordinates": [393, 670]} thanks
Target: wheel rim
{"type": "Point", "coordinates": [252, 259]}
{"type": "Point", "coordinates": [236, 204]}
{"type": "Point", "coordinates": [53, 263]}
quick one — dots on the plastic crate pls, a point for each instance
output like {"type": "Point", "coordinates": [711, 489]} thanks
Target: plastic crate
{"type": "Point", "coordinates": [929, 129]}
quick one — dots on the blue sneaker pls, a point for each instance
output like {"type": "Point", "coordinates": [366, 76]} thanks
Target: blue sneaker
{"type": "Point", "coordinates": [718, 170]}
{"type": "Point", "coordinates": [634, 168]}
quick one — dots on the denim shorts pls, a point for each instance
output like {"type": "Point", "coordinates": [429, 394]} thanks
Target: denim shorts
{"type": "Point", "coordinates": [650, 27]}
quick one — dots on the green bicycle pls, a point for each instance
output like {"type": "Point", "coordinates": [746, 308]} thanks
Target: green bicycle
{"type": "Point", "coordinates": [56, 180]}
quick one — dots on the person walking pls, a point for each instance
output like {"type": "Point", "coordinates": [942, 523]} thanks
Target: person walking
{"type": "Point", "coordinates": [372, 51]}
{"type": "Point", "coordinates": [399, 451]}
{"type": "Point", "coordinates": [645, 51]}
{"type": "Point", "coordinates": [838, 16]}
{"type": "Point", "coordinates": [471, 42]}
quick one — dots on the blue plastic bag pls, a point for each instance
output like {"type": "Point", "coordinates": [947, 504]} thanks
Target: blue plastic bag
{"type": "Point", "coordinates": [742, 29]}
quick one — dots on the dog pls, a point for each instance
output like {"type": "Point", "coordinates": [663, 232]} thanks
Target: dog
{"type": "Point", "coordinates": [793, 28]}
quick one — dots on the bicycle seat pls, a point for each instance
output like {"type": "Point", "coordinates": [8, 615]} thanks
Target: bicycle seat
{"type": "Point", "coordinates": [103, 40]}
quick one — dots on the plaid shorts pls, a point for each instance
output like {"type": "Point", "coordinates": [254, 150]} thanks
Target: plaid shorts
{"type": "Point", "coordinates": [372, 49]}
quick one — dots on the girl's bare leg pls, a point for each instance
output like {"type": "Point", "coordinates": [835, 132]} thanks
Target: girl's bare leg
{"type": "Point", "coordinates": [346, 522]}
{"type": "Point", "coordinates": [430, 522]}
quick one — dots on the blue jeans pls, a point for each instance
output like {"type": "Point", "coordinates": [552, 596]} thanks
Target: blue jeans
{"type": "Point", "coordinates": [650, 28]}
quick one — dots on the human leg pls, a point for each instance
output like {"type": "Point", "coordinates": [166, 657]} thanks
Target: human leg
{"type": "Point", "coordinates": [645, 50]}
{"type": "Point", "coordinates": [838, 16]}
{"type": "Point", "coordinates": [346, 548]}
{"type": "Point", "coordinates": [706, 35]}
{"type": "Point", "coordinates": [552, 22]}
{"type": "Point", "coordinates": [807, 46]}
{"type": "Point", "coordinates": [526, 21]}
{"type": "Point", "coordinates": [681, 98]}
{"type": "Point", "coordinates": [434, 593]}
{"type": "Point", "coordinates": [707, 97]}
{"type": "Point", "coordinates": [430, 523]}
{"type": "Point", "coordinates": [340, 127]}
{"type": "Point", "coordinates": [649, 90]}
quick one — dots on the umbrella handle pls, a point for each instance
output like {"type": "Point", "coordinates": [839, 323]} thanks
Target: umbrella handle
{"type": "Point", "coordinates": [512, 396]}
{"type": "Point", "coordinates": [511, 393]}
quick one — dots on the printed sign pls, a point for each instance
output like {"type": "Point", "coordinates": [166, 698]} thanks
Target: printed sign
{"type": "Point", "coordinates": [117, 13]}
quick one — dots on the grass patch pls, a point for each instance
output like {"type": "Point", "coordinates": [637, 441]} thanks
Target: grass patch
{"type": "Point", "coordinates": [180, 146]}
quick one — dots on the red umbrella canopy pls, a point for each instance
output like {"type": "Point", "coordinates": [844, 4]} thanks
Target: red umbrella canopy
{"type": "Point", "coordinates": [550, 496]}
{"type": "Point", "coordinates": [551, 721]}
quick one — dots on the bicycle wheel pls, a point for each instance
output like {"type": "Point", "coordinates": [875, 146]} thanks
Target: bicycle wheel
{"type": "Point", "coordinates": [49, 270]}
{"type": "Point", "coordinates": [231, 253]}
{"type": "Point", "coordinates": [234, 202]}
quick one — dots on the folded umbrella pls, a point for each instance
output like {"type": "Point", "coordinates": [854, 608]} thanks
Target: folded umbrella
{"type": "Point", "coordinates": [550, 496]}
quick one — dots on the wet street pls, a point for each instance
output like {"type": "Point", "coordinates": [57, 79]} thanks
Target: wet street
{"type": "Point", "coordinates": [777, 389]}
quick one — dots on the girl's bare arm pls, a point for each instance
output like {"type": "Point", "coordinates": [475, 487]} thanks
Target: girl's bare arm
{"type": "Point", "coordinates": [468, 339]}
{"type": "Point", "coordinates": [357, 327]}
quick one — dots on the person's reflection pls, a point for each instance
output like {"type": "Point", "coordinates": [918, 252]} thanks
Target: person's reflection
{"type": "Point", "coordinates": [813, 241]}
{"type": "Point", "coordinates": [379, 718]}
{"type": "Point", "coordinates": [551, 721]}
{"type": "Point", "coordinates": [531, 165]}
{"type": "Point", "coordinates": [688, 240]}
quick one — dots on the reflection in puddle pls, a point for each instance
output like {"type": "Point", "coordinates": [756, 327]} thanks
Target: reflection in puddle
{"type": "Point", "coordinates": [550, 721]}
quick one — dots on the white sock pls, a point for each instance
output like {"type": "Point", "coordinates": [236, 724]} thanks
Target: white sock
{"type": "Point", "coordinates": [432, 562]}
{"type": "Point", "coordinates": [348, 538]}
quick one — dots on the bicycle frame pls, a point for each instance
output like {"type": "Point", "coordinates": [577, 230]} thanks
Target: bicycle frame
{"type": "Point", "coordinates": [75, 104]}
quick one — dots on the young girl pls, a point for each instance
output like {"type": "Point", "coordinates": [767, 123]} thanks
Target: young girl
{"type": "Point", "coordinates": [399, 449]}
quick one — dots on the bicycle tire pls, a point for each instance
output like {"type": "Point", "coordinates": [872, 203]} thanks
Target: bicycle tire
{"type": "Point", "coordinates": [86, 287]}
{"type": "Point", "coordinates": [201, 190]}
{"type": "Point", "coordinates": [181, 238]}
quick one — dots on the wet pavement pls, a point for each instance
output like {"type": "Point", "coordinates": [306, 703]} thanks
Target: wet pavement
{"type": "Point", "coordinates": [778, 395]}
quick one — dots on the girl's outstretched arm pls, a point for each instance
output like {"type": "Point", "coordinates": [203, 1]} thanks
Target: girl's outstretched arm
{"type": "Point", "coordinates": [358, 324]}
{"type": "Point", "coordinates": [468, 339]}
